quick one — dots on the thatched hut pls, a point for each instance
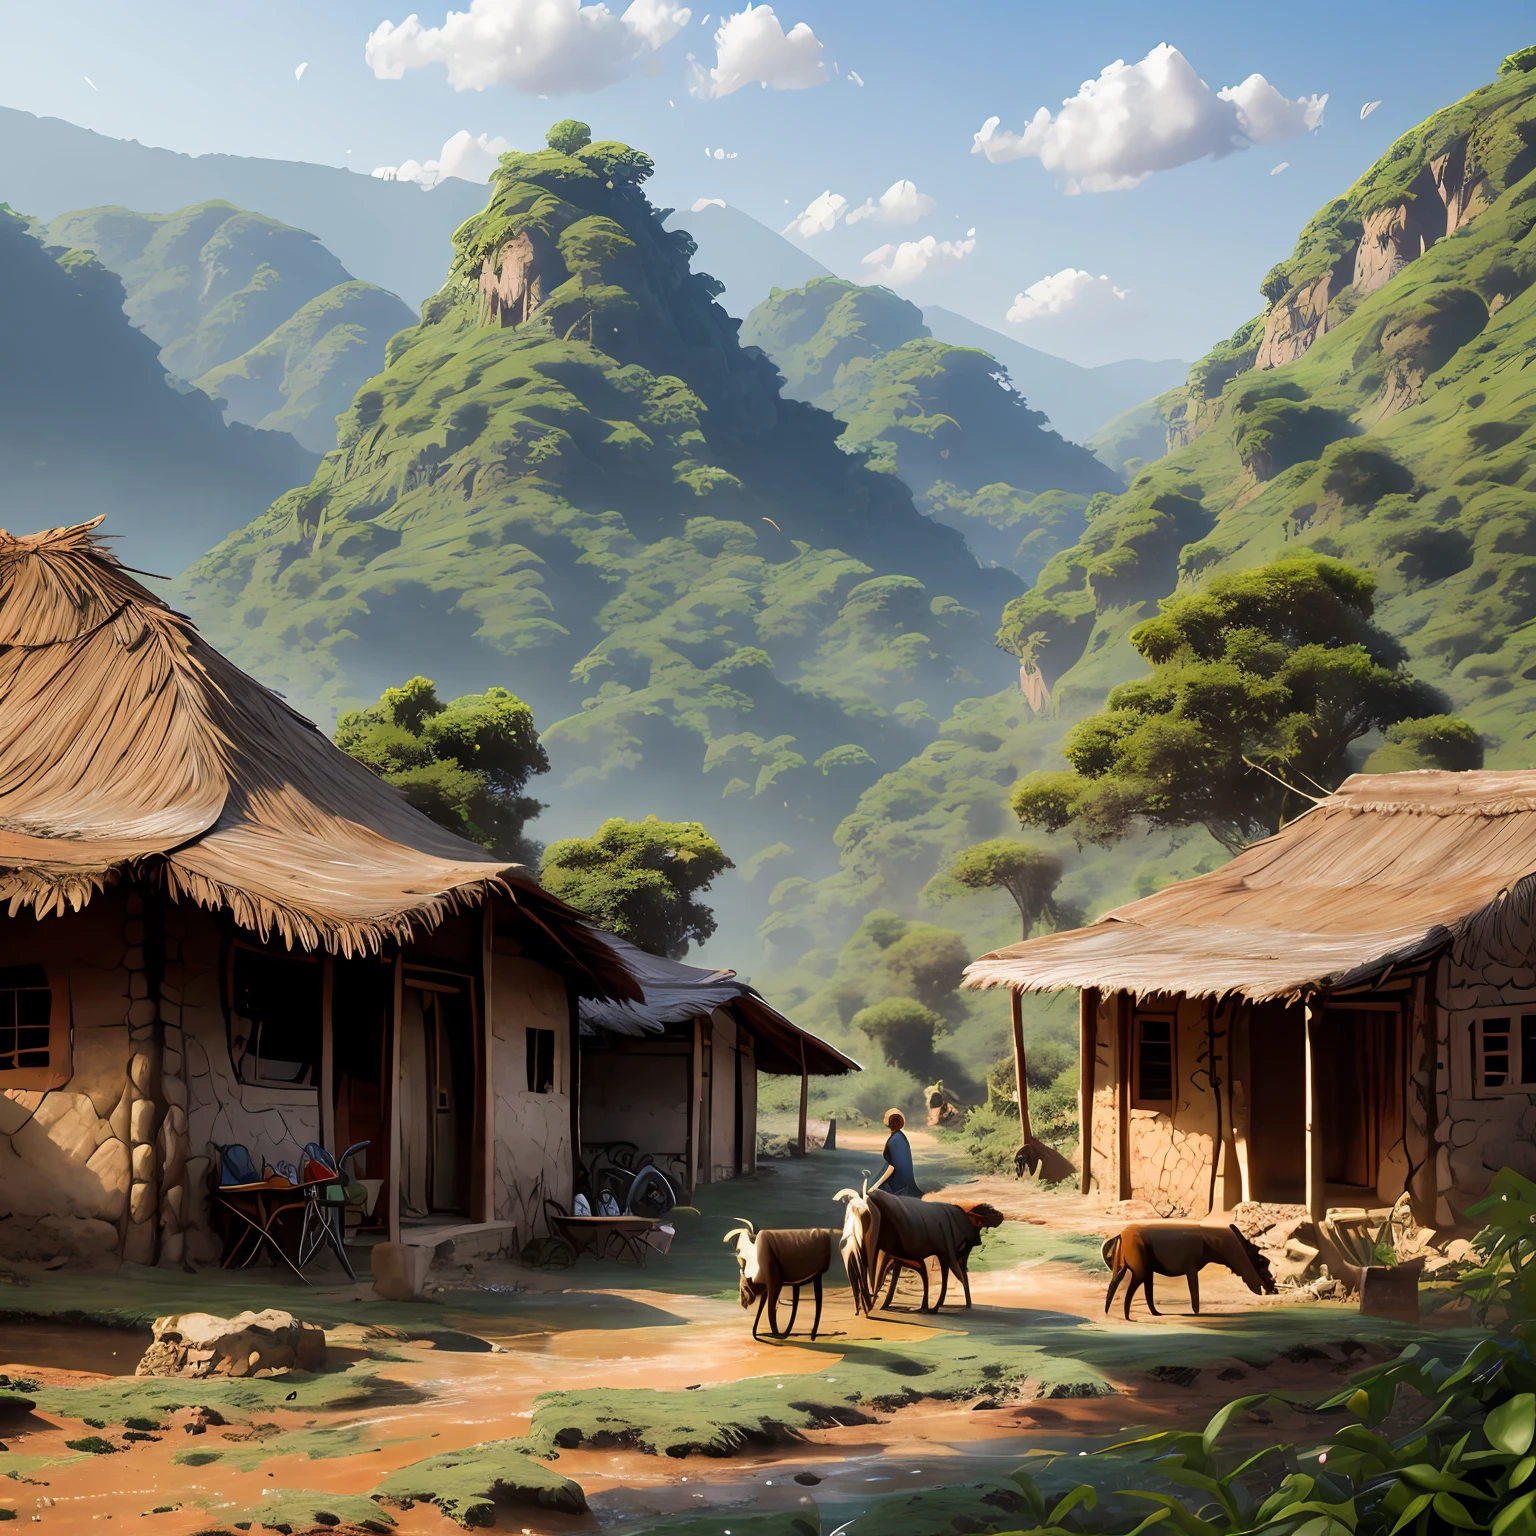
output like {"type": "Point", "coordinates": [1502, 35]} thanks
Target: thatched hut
{"type": "Point", "coordinates": [217, 928]}
{"type": "Point", "coordinates": [1344, 1012]}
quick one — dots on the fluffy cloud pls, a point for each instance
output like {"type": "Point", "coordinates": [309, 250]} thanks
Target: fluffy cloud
{"type": "Point", "coordinates": [818, 216]}
{"type": "Point", "coordinates": [752, 47]}
{"type": "Point", "coordinates": [466, 158]}
{"type": "Point", "coordinates": [1066, 292]}
{"type": "Point", "coordinates": [899, 265]}
{"type": "Point", "coordinates": [545, 47]}
{"type": "Point", "coordinates": [1139, 118]}
{"type": "Point", "coordinates": [900, 203]}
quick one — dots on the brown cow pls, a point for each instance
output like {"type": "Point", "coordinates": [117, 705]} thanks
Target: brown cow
{"type": "Point", "coordinates": [772, 1260]}
{"type": "Point", "coordinates": [982, 1217]}
{"type": "Point", "coordinates": [882, 1229]}
{"type": "Point", "coordinates": [1147, 1248]}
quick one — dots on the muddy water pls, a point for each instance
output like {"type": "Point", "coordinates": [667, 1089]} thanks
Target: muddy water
{"type": "Point", "coordinates": [70, 1347]}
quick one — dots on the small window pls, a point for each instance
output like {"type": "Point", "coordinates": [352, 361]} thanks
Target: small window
{"type": "Point", "coordinates": [1153, 1064]}
{"type": "Point", "coordinates": [541, 1060]}
{"type": "Point", "coordinates": [1504, 1053]}
{"type": "Point", "coordinates": [26, 1019]}
{"type": "Point", "coordinates": [275, 1018]}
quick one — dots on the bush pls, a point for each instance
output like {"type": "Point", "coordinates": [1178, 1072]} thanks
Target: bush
{"type": "Point", "coordinates": [1434, 741]}
{"type": "Point", "coordinates": [903, 1031]}
{"type": "Point", "coordinates": [568, 135]}
{"type": "Point", "coordinates": [1360, 476]}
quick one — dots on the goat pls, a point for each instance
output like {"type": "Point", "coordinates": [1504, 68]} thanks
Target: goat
{"type": "Point", "coordinates": [1147, 1248]}
{"type": "Point", "coordinates": [981, 1217]}
{"type": "Point", "coordinates": [771, 1260]}
{"type": "Point", "coordinates": [882, 1232]}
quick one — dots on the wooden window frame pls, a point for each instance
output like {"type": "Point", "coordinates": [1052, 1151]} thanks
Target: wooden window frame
{"type": "Point", "coordinates": [1170, 1017]}
{"type": "Point", "coordinates": [530, 1053]}
{"type": "Point", "coordinates": [61, 1043]}
{"type": "Point", "coordinates": [1522, 1074]}
{"type": "Point", "coordinates": [237, 1061]}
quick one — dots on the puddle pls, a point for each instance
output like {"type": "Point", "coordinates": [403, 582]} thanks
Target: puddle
{"type": "Point", "coordinates": [73, 1347]}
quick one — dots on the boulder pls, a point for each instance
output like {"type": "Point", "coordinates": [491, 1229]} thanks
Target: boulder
{"type": "Point", "coordinates": [248, 1344]}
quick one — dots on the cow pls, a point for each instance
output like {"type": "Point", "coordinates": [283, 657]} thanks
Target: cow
{"type": "Point", "coordinates": [882, 1232]}
{"type": "Point", "coordinates": [1147, 1248]}
{"type": "Point", "coordinates": [771, 1260]}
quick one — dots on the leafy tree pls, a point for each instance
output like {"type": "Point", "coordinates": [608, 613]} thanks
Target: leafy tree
{"type": "Point", "coordinates": [1028, 874]}
{"type": "Point", "coordinates": [1259, 685]}
{"type": "Point", "coordinates": [640, 880]}
{"type": "Point", "coordinates": [903, 1031]}
{"type": "Point", "coordinates": [568, 135]}
{"type": "Point", "coordinates": [927, 963]}
{"type": "Point", "coordinates": [465, 763]}
{"type": "Point", "coordinates": [1437, 741]}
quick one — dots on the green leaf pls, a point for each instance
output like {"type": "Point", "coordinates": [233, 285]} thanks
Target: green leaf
{"type": "Point", "coordinates": [1224, 1416]}
{"type": "Point", "coordinates": [1454, 1512]}
{"type": "Point", "coordinates": [1032, 1495]}
{"type": "Point", "coordinates": [1518, 1518]}
{"type": "Point", "coordinates": [1082, 1494]}
{"type": "Point", "coordinates": [1416, 1507]}
{"type": "Point", "coordinates": [1422, 1475]}
{"type": "Point", "coordinates": [1521, 1471]}
{"type": "Point", "coordinates": [1191, 1525]}
{"type": "Point", "coordinates": [1512, 1425]}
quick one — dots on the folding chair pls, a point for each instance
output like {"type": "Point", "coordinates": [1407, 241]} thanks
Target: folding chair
{"type": "Point", "coordinates": [327, 1200]}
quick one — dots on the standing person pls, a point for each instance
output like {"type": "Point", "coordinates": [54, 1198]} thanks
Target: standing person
{"type": "Point", "coordinates": [898, 1178]}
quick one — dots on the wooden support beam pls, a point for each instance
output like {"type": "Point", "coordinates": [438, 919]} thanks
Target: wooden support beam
{"type": "Point", "coordinates": [1123, 1081]}
{"type": "Point", "coordinates": [328, 1057]}
{"type": "Point", "coordinates": [482, 1192]}
{"type": "Point", "coordinates": [1317, 1183]}
{"type": "Point", "coordinates": [1020, 1066]}
{"type": "Point", "coordinates": [805, 1094]}
{"type": "Point", "coordinates": [1088, 1044]}
{"type": "Point", "coordinates": [694, 1107]}
{"type": "Point", "coordinates": [392, 1192]}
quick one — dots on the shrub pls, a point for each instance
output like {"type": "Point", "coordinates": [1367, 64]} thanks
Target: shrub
{"type": "Point", "coordinates": [1360, 476]}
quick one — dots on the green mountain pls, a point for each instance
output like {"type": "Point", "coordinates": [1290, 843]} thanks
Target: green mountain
{"type": "Point", "coordinates": [249, 309]}
{"type": "Point", "coordinates": [1382, 409]}
{"type": "Point", "coordinates": [90, 422]}
{"type": "Point", "coordinates": [945, 419]}
{"type": "Point", "coordinates": [572, 479]}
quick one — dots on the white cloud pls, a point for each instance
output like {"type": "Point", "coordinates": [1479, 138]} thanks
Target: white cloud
{"type": "Point", "coordinates": [700, 204]}
{"type": "Point", "coordinates": [900, 203]}
{"type": "Point", "coordinates": [752, 47]}
{"type": "Point", "coordinates": [538, 46]}
{"type": "Point", "coordinates": [898, 265]}
{"type": "Point", "coordinates": [1367, 109]}
{"type": "Point", "coordinates": [1070, 291]}
{"type": "Point", "coordinates": [818, 216]}
{"type": "Point", "coordinates": [1139, 118]}
{"type": "Point", "coordinates": [298, 74]}
{"type": "Point", "coordinates": [463, 157]}
{"type": "Point", "coordinates": [1284, 165]}
{"type": "Point", "coordinates": [856, 77]}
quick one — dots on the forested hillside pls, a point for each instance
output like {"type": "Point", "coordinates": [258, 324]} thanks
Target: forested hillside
{"type": "Point", "coordinates": [572, 479]}
{"type": "Point", "coordinates": [90, 422]}
{"type": "Point", "coordinates": [252, 311]}
{"type": "Point", "coordinates": [947, 420]}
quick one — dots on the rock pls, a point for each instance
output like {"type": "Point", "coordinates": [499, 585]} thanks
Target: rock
{"type": "Point", "coordinates": [400, 1271]}
{"type": "Point", "coordinates": [84, 1236]}
{"type": "Point", "coordinates": [201, 1344]}
{"type": "Point", "coordinates": [109, 1165]}
{"type": "Point", "coordinates": [1298, 1263]}
{"type": "Point", "coordinates": [141, 1120]}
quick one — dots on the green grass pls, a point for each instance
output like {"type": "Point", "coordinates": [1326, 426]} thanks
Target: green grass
{"type": "Point", "coordinates": [468, 1485]}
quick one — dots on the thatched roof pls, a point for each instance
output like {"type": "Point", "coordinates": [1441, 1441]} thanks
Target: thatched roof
{"type": "Point", "coordinates": [129, 746]}
{"type": "Point", "coordinates": [1386, 870]}
{"type": "Point", "coordinates": [675, 992]}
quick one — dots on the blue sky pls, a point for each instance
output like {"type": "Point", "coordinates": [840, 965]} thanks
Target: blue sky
{"type": "Point", "coordinates": [1182, 252]}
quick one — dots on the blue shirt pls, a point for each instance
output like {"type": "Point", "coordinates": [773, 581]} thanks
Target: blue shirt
{"type": "Point", "coordinates": [898, 1153]}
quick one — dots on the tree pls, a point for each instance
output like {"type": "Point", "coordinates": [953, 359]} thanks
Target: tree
{"type": "Point", "coordinates": [465, 763]}
{"type": "Point", "coordinates": [1259, 685]}
{"type": "Point", "coordinates": [640, 880]}
{"type": "Point", "coordinates": [903, 1031]}
{"type": "Point", "coordinates": [1028, 874]}
{"type": "Point", "coordinates": [568, 135]}
{"type": "Point", "coordinates": [1437, 741]}
{"type": "Point", "coordinates": [927, 963]}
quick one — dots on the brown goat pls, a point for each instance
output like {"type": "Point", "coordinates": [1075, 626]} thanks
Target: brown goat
{"type": "Point", "coordinates": [772, 1260]}
{"type": "Point", "coordinates": [1147, 1248]}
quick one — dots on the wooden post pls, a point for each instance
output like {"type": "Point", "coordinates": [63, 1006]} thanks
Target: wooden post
{"type": "Point", "coordinates": [573, 1083]}
{"type": "Point", "coordinates": [328, 1057]}
{"type": "Point", "coordinates": [1020, 1066]}
{"type": "Point", "coordinates": [1088, 1044]}
{"type": "Point", "coordinates": [1317, 1183]}
{"type": "Point", "coordinates": [392, 1193]}
{"type": "Point", "coordinates": [1123, 1081]}
{"type": "Point", "coordinates": [483, 1145]}
{"type": "Point", "coordinates": [1421, 1058]}
{"type": "Point", "coordinates": [805, 1093]}
{"type": "Point", "coordinates": [694, 1107]}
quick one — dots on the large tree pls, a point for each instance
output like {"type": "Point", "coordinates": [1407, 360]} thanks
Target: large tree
{"type": "Point", "coordinates": [1028, 874]}
{"type": "Point", "coordinates": [641, 880]}
{"type": "Point", "coordinates": [465, 763]}
{"type": "Point", "coordinates": [1259, 686]}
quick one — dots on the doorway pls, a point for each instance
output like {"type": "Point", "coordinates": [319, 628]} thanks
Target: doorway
{"type": "Point", "coordinates": [437, 1083]}
{"type": "Point", "coordinates": [1358, 1064]}
{"type": "Point", "coordinates": [363, 999]}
